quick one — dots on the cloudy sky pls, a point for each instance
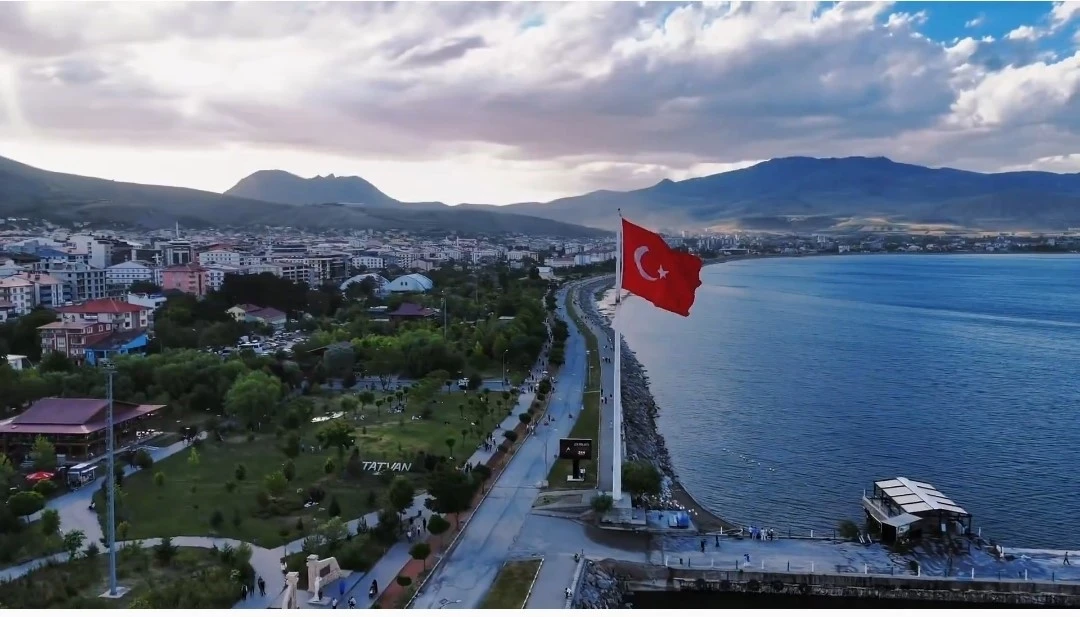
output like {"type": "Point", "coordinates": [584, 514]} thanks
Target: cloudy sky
{"type": "Point", "coordinates": [497, 103]}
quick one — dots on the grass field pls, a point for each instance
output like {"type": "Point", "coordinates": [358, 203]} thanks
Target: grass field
{"type": "Point", "coordinates": [27, 545]}
{"type": "Point", "coordinates": [511, 587]}
{"type": "Point", "coordinates": [587, 425]}
{"type": "Point", "coordinates": [77, 584]}
{"type": "Point", "coordinates": [195, 495]}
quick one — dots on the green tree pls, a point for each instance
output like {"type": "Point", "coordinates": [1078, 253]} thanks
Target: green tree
{"type": "Point", "coordinates": [337, 434]}
{"type": "Point", "coordinates": [641, 478]}
{"type": "Point", "coordinates": [193, 457]}
{"type": "Point", "coordinates": [43, 454]}
{"type": "Point", "coordinates": [335, 508]}
{"type": "Point", "coordinates": [339, 359]}
{"type": "Point", "coordinates": [420, 552]}
{"type": "Point", "coordinates": [401, 493]}
{"type": "Point", "coordinates": [451, 492]}
{"type": "Point", "coordinates": [437, 525]}
{"type": "Point", "coordinates": [73, 541]}
{"type": "Point", "coordinates": [143, 460]}
{"type": "Point", "coordinates": [450, 446]}
{"type": "Point", "coordinates": [289, 470]}
{"type": "Point", "coordinates": [7, 472]}
{"type": "Point", "coordinates": [159, 479]}
{"type": "Point", "coordinates": [276, 483]}
{"type": "Point", "coordinates": [252, 397]}
{"type": "Point", "coordinates": [329, 466]}
{"type": "Point", "coordinates": [602, 504]}
{"type": "Point", "coordinates": [25, 503]}
{"type": "Point", "coordinates": [123, 529]}
{"type": "Point", "coordinates": [50, 522]}
{"type": "Point", "coordinates": [240, 472]}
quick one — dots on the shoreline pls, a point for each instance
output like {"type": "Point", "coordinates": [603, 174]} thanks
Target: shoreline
{"type": "Point", "coordinates": [640, 432]}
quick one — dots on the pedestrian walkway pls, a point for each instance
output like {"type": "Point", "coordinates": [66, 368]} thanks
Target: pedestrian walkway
{"type": "Point", "coordinates": [549, 590]}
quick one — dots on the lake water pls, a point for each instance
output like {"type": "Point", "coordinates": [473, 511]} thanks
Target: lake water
{"type": "Point", "coordinates": [796, 383]}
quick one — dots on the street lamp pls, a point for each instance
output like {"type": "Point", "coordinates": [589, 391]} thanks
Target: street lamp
{"type": "Point", "coordinates": [504, 365]}
{"type": "Point", "coordinates": [110, 437]}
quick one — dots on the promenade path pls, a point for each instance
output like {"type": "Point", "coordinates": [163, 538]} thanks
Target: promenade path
{"type": "Point", "coordinates": [463, 577]}
{"type": "Point", "coordinates": [586, 309]}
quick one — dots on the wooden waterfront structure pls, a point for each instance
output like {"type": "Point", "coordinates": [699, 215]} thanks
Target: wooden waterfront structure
{"type": "Point", "coordinates": [907, 509]}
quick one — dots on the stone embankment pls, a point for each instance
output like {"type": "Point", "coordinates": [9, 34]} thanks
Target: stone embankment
{"type": "Point", "coordinates": [599, 588]}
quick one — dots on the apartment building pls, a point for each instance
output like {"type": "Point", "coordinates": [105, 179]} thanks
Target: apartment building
{"type": "Point", "coordinates": [369, 262]}
{"type": "Point", "coordinates": [119, 315]}
{"type": "Point", "coordinates": [215, 274]}
{"type": "Point", "coordinates": [295, 272]}
{"type": "Point", "coordinates": [124, 274]}
{"type": "Point", "coordinates": [81, 282]}
{"type": "Point", "coordinates": [220, 256]}
{"type": "Point", "coordinates": [48, 290]}
{"type": "Point", "coordinates": [19, 293]}
{"type": "Point", "coordinates": [189, 278]}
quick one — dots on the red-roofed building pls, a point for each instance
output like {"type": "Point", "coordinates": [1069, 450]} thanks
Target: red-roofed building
{"type": "Point", "coordinates": [189, 278]}
{"type": "Point", "coordinates": [121, 315]}
{"type": "Point", "coordinates": [407, 310]}
{"type": "Point", "coordinates": [75, 426]}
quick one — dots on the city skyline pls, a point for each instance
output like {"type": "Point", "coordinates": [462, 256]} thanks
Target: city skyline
{"type": "Point", "coordinates": [502, 103]}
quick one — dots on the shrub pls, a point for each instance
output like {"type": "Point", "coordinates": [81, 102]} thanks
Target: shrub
{"type": "Point", "coordinates": [510, 436]}
{"type": "Point", "coordinates": [216, 519]}
{"type": "Point", "coordinates": [46, 488]}
{"type": "Point", "coordinates": [143, 460]}
{"type": "Point", "coordinates": [503, 448]}
{"type": "Point", "coordinates": [525, 418]}
{"type": "Point", "coordinates": [230, 486]}
{"type": "Point", "coordinates": [404, 581]}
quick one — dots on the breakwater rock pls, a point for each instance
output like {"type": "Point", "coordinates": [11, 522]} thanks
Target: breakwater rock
{"type": "Point", "coordinates": [600, 587]}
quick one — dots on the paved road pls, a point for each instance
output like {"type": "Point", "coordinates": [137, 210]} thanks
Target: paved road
{"type": "Point", "coordinates": [365, 383]}
{"type": "Point", "coordinates": [462, 579]}
{"type": "Point", "coordinates": [586, 303]}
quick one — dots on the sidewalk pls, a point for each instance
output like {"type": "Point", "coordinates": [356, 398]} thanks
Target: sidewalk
{"type": "Point", "coordinates": [557, 573]}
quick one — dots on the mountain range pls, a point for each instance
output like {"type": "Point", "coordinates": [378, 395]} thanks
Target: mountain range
{"type": "Point", "coordinates": [29, 192]}
{"type": "Point", "coordinates": [799, 194]}
{"type": "Point", "coordinates": [795, 194]}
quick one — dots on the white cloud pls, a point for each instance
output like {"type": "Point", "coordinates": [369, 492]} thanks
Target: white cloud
{"type": "Point", "coordinates": [976, 21]}
{"type": "Point", "coordinates": [503, 102]}
{"type": "Point", "coordinates": [1024, 33]}
{"type": "Point", "coordinates": [1064, 12]}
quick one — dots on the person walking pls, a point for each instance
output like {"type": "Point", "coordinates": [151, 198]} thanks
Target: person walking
{"type": "Point", "coordinates": [262, 586]}
{"type": "Point", "coordinates": [352, 602]}
{"type": "Point", "coordinates": [1065, 562]}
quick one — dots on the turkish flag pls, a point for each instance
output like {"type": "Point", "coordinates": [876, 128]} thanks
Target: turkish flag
{"type": "Point", "coordinates": [654, 271]}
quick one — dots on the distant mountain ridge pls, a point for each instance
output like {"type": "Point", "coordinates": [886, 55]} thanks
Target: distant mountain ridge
{"type": "Point", "coordinates": [284, 187]}
{"type": "Point", "coordinates": [30, 192]}
{"type": "Point", "coordinates": [811, 194]}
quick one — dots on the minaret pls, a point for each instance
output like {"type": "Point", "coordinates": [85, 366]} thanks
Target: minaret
{"type": "Point", "coordinates": [177, 230]}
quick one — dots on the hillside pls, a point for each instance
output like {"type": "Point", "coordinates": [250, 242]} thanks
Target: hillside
{"type": "Point", "coordinates": [35, 193]}
{"type": "Point", "coordinates": [284, 187]}
{"type": "Point", "coordinates": [808, 194]}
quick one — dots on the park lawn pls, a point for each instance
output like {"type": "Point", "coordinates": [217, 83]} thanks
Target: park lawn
{"type": "Point", "coordinates": [27, 545]}
{"type": "Point", "coordinates": [587, 425]}
{"type": "Point", "coordinates": [192, 493]}
{"type": "Point", "coordinates": [77, 584]}
{"type": "Point", "coordinates": [397, 437]}
{"type": "Point", "coordinates": [511, 587]}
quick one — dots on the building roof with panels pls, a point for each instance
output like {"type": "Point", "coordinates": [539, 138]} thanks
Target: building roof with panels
{"type": "Point", "coordinates": [917, 497]}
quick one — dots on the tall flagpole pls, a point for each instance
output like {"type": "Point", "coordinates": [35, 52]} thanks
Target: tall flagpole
{"type": "Point", "coordinates": [616, 433]}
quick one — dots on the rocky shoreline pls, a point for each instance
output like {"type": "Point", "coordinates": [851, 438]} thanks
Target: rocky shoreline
{"type": "Point", "coordinates": [600, 588]}
{"type": "Point", "coordinates": [640, 432]}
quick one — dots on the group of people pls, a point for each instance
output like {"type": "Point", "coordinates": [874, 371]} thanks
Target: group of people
{"type": "Point", "coordinates": [246, 591]}
{"type": "Point", "coordinates": [760, 533]}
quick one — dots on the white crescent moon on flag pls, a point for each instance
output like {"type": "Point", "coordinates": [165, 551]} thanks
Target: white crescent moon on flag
{"type": "Point", "coordinates": [639, 252]}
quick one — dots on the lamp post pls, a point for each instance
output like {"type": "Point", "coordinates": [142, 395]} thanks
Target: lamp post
{"type": "Point", "coordinates": [110, 438]}
{"type": "Point", "coordinates": [504, 365]}
{"type": "Point", "coordinates": [444, 316]}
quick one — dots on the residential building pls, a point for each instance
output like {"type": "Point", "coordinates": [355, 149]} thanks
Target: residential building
{"type": "Point", "coordinates": [368, 262]}
{"type": "Point", "coordinates": [81, 282]}
{"type": "Point", "coordinates": [124, 274]}
{"type": "Point", "coordinates": [121, 316]}
{"type": "Point", "coordinates": [295, 272]}
{"type": "Point", "coordinates": [48, 290]}
{"type": "Point", "coordinates": [150, 302]}
{"type": "Point", "coordinates": [19, 293]}
{"type": "Point", "coordinates": [90, 250]}
{"type": "Point", "coordinates": [7, 311]}
{"type": "Point", "coordinates": [177, 253]}
{"type": "Point", "coordinates": [69, 336]}
{"type": "Point", "coordinates": [189, 278]}
{"type": "Point", "coordinates": [220, 256]}
{"type": "Point", "coordinates": [98, 347]}
{"type": "Point", "coordinates": [215, 274]}
{"type": "Point", "coordinates": [240, 311]}
{"type": "Point", "coordinates": [269, 316]}
{"type": "Point", "coordinates": [408, 311]}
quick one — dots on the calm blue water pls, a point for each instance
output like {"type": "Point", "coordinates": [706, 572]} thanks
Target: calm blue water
{"type": "Point", "coordinates": [798, 382]}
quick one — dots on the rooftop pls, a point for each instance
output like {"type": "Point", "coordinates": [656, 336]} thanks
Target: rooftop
{"type": "Point", "coordinates": [73, 416]}
{"type": "Point", "coordinates": [106, 305]}
{"type": "Point", "coordinates": [917, 497]}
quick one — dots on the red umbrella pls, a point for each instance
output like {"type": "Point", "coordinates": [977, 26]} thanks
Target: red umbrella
{"type": "Point", "coordinates": [38, 476]}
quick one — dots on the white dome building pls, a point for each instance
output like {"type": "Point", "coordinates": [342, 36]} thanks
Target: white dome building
{"type": "Point", "coordinates": [411, 283]}
{"type": "Point", "coordinates": [381, 284]}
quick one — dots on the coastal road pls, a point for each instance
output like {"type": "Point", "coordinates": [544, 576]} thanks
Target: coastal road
{"type": "Point", "coordinates": [586, 308]}
{"type": "Point", "coordinates": [463, 578]}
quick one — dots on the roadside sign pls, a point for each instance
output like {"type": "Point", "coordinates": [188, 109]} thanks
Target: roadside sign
{"type": "Point", "coordinates": [575, 449]}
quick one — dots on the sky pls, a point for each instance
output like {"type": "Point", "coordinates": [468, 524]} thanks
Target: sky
{"type": "Point", "coordinates": [509, 102]}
